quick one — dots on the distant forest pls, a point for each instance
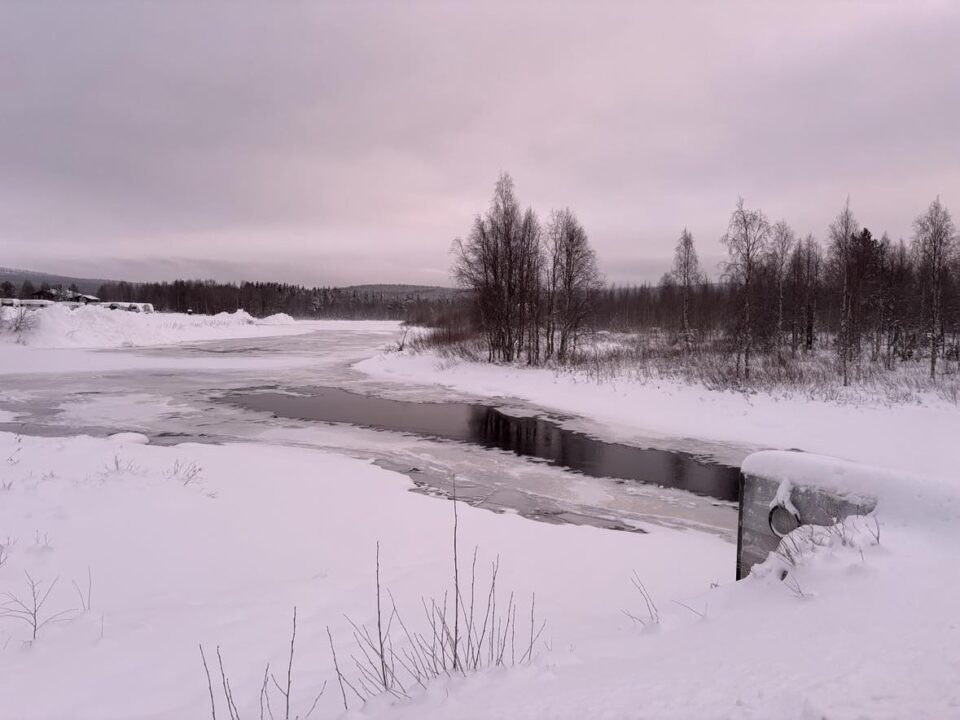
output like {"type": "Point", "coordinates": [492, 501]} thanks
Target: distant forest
{"type": "Point", "coordinates": [410, 303]}
{"type": "Point", "coordinates": [871, 298]}
{"type": "Point", "coordinates": [422, 305]}
{"type": "Point", "coordinates": [871, 301]}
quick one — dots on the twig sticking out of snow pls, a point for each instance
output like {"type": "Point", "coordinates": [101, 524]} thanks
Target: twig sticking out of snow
{"type": "Point", "coordinates": [796, 549]}
{"type": "Point", "coordinates": [185, 472]}
{"type": "Point", "coordinates": [30, 609]}
{"type": "Point", "coordinates": [213, 704]}
{"type": "Point", "coordinates": [653, 613]}
{"type": "Point", "coordinates": [701, 615]}
{"type": "Point", "coordinates": [285, 690]}
{"type": "Point", "coordinates": [14, 458]}
{"type": "Point", "coordinates": [336, 666]}
{"type": "Point", "coordinates": [85, 597]}
{"type": "Point", "coordinates": [119, 466]}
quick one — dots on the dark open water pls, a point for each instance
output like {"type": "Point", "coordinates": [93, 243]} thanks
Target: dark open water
{"type": "Point", "coordinates": [489, 427]}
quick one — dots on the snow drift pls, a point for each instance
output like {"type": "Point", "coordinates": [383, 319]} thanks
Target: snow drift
{"type": "Point", "coordinates": [278, 319]}
{"type": "Point", "coordinates": [59, 326]}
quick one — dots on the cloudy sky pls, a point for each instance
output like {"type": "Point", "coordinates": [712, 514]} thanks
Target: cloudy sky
{"type": "Point", "coordinates": [348, 142]}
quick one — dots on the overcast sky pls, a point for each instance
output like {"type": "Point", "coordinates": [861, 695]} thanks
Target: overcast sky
{"type": "Point", "coordinates": [336, 143]}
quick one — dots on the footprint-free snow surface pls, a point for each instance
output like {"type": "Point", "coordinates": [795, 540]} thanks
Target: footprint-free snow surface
{"type": "Point", "coordinates": [153, 516]}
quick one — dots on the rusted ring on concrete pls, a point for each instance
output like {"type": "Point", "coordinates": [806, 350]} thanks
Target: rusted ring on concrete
{"type": "Point", "coordinates": [790, 513]}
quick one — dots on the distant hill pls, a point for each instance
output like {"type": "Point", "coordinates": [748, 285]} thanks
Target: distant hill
{"type": "Point", "coordinates": [88, 286]}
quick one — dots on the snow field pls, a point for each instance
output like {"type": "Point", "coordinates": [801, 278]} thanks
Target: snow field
{"type": "Point", "coordinates": [61, 340]}
{"type": "Point", "coordinates": [222, 558]}
{"type": "Point", "coordinates": [215, 545]}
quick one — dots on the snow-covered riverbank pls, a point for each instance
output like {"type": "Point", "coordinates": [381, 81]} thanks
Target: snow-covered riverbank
{"type": "Point", "coordinates": [911, 437]}
{"type": "Point", "coordinates": [58, 339]}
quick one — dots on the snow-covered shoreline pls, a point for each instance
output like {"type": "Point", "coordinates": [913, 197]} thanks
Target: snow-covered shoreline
{"type": "Point", "coordinates": [58, 339]}
{"type": "Point", "coordinates": [910, 437]}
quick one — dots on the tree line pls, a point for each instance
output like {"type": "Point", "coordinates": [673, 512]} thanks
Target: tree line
{"type": "Point", "coordinates": [267, 298]}
{"type": "Point", "coordinates": [869, 298]}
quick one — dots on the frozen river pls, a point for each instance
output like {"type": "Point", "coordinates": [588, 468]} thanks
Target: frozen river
{"type": "Point", "coordinates": [303, 390]}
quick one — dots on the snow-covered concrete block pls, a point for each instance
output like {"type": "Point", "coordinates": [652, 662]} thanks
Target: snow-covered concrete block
{"type": "Point", "coordinates": [779, 491]}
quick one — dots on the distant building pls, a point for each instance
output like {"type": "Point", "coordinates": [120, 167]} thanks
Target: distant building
{"type": "Point", "coordinates": [60, 295]}
{"type": "Point", "coordinates": [54, 294]}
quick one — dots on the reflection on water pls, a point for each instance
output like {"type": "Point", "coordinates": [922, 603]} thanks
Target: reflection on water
{"type": "Point", "coordinates": [486, 426]}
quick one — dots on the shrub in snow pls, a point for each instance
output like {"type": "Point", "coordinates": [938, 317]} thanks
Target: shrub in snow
{"type": "Point", "coordinates": [29, 607]}
{"type": "Point", "coordinates": [266, 707]}
{"type": "Point", "coordinates": [464, 632]}
{"type": "Point", "coordinates": [16, 321]}
{"type": "Point", "coordinates": [810, 546]}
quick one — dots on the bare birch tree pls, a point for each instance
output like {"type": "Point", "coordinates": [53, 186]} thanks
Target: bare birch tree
{"type": "Point", "coordinates": [574, 280]}
{"type": "Point", "coordinates": [687, 274]}
{"type": "Point", "coordinates": [934, 242]}
{"type": "Point", "coordinates": [842, 232]}
{"type": "Point", "coordinates": [746, 240]}
{"type": "Point", "coordinates": [501, 261]}
{"type": "Point", "coordinates": [782, 241]}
